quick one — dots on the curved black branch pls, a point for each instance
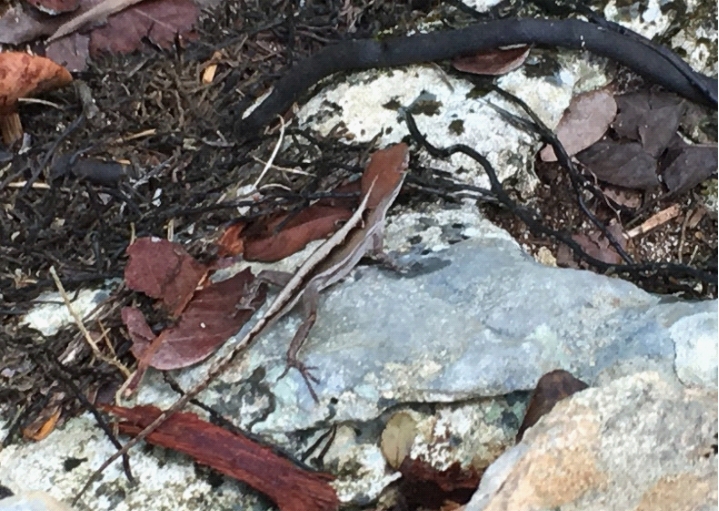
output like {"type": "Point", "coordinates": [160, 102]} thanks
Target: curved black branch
{"type": "Point", "coordinates": [533, 220]}
{"type": "Point", "coordinates": [635, 52]}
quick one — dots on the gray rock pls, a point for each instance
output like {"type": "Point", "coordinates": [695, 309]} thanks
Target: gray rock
{"type": "Point", "coordinates": [478, 319]}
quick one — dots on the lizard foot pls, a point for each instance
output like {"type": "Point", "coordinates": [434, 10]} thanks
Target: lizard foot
{"type": "Point", "coordinates": [306, 372]}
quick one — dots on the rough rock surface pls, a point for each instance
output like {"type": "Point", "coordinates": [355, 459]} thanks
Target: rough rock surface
{"type": "Point", "coordinates": [474, 320]}
{"type": "Point", "coordinates": [473, 323]}
{"type": "Point", "coordinates": [639, 443]}
{"type": "Point", "coordinates": [477, 319]}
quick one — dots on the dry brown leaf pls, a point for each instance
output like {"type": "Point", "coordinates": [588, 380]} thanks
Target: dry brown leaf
{"type": "Point", "coordinates": [160, 21]}
{"type": "Point", "coordinates": [492, 62]}
{"type": "Point", "coordinates": [20, 25]}
{"type": "Point", "coordinates": [424, 485]}
{"type": "Point", "coordinates": [92, 11]}
{"type": "Point", "coordinates": [650, 118]}
{"type": "Point", "coordinates": [584, 122]}
{"type": "Point", "coordinates": [685, 167]}
{"type": "Point", "coordinates": [551, 388]}
{"type": "Point", "coordinates": [165, 271]}
{"type": "Point", "coordinates": [621, 164]}
{"type": "Point", "coordinates": [213, 315]}
{"type": "Point", "coordinates": [71, 51]}
{"type": "Point", "coordinates": [313, 223]}
{"type": "Point", "coordinates": [596, 245]}
{"type": "Point", "coordinates": [623, 196]}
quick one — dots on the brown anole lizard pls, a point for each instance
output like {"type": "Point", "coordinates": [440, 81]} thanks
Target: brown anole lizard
{"type": "Point", "coordinates": [331, 262]}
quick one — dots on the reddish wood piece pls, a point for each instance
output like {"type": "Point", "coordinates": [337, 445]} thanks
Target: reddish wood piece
{"type": "Point", "coordinates": [289, 486]}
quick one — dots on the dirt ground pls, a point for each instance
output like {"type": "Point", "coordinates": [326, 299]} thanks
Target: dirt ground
{"type": "Point", "coordinates": [174, 136]}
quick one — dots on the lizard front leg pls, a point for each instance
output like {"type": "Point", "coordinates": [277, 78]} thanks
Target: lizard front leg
{"type": "Point", "coordinates": [376, 253]}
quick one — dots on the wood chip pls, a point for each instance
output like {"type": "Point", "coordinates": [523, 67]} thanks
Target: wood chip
{"type": "Point", "coordinates": [656, 220]}
{"type": "Point", "coordinates": [695, 217]}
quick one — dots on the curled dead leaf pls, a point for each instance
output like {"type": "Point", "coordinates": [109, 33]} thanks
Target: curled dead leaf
{"type": "Point", "coordinates": [551, 388]}
{"type": "Point", "coordinates": [23, 75]}
{"type": "Point", "coordinates": [584, 122]}
{"type": "Point", "coordinates": [43, 425]}
{"type": "Point", "coordinates": [493, 62]}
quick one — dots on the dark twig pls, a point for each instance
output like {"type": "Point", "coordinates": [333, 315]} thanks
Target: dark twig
{"type": "Point", "coordinates": [354, 55]}
{"type": "Point", "coordinates": [57, 370]}
{"type": "Point", "coordinates": [550, 138]}
{"type": "Point", "coordinates": [532, 219]}
{"type": "Point", "coordinates": [50, 152]}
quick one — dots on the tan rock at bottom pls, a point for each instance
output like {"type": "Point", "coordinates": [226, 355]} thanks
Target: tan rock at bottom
{"type": "Point", "coordinates": [33, 501]}
{"type": "Point", "coordinates": [640, 443]}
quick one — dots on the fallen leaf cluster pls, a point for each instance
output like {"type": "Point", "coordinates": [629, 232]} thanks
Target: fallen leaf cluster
{"type": "Point", "coordinates": [629, 144]}
{"type": "Point", "coordinates": [645, 149]}
{"type": "Point", "coordinates": [632, 141]}
{"type": "Point", "coordinates": [208, 313]}
{"type": "Point", "coordinates": [79, 29]}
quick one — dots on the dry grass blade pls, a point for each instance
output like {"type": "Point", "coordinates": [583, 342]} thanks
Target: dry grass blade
{"type": "Point", "coordinates": [78, 320]}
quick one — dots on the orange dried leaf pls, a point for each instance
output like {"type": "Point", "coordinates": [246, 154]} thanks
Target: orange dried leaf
{"type": "Point", "coordinates": [45, 428]}
{"type": "Point", "coordinates": [231, 242]}
{"type": "Point", "coordinates": [23, 75]}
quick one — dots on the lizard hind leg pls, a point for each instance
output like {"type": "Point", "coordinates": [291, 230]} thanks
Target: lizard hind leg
{"type": "Point", "coordinates": [310, 300]}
